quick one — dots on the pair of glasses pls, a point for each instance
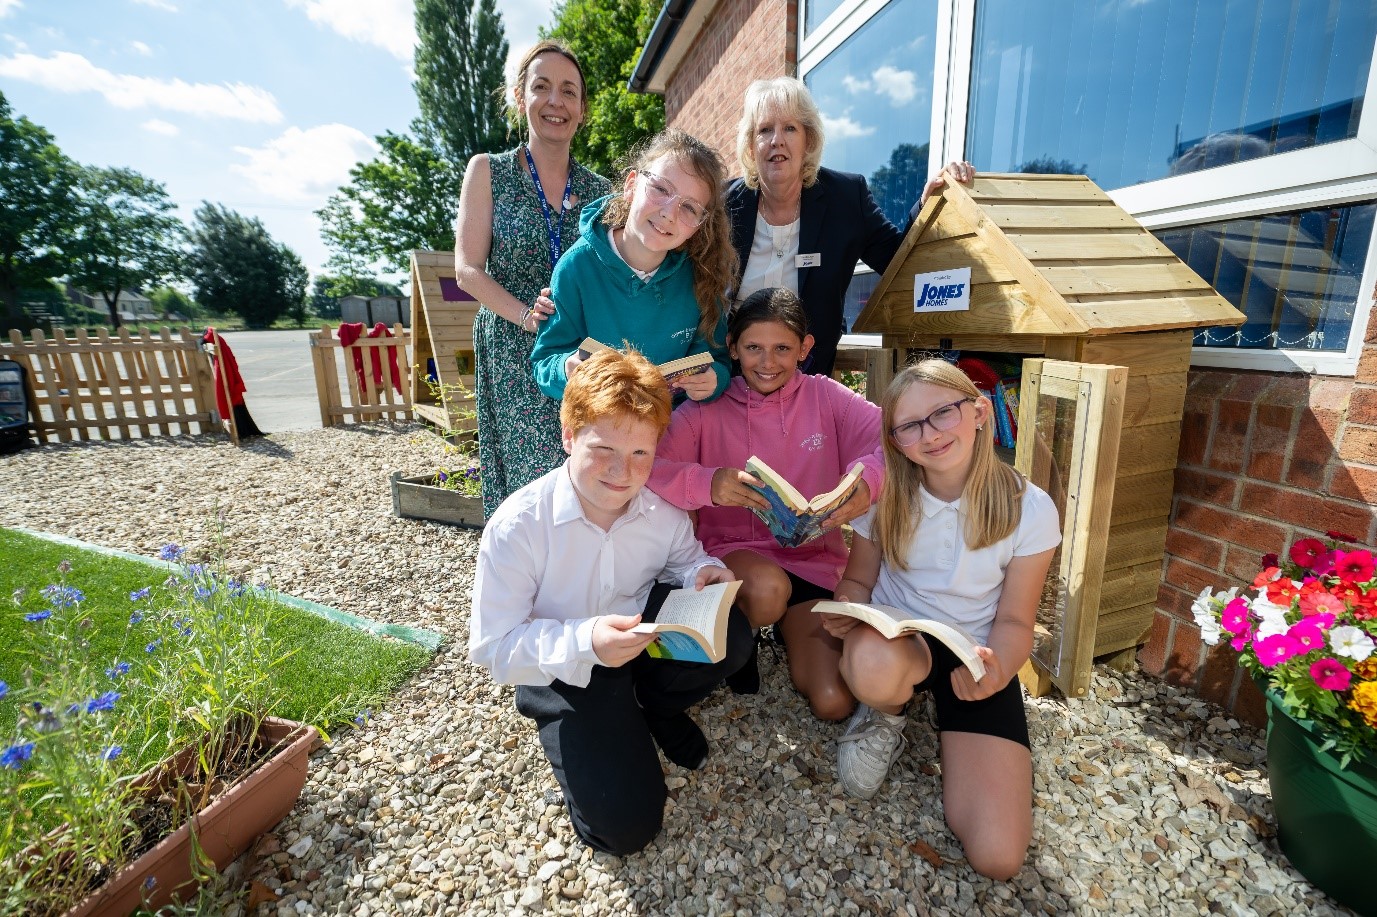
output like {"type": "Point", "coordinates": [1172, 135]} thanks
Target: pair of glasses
{"type": "Point", "coordinates": [944, 418]}
{"type": "Point", "coordinates": [661, 193]}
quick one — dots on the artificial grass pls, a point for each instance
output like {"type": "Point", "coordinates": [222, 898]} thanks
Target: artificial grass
{"type": "Point", "coordinates": [335, 672]}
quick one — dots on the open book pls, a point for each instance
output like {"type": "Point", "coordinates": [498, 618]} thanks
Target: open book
{"type": "Point", "coordinates": [893, 622]}
{"type": "Point", "coordinates": [684, 366]}
{"type": "Point", "coordinates": [691, 625]}
{"type": "Point", "coordinates": [793, 518]}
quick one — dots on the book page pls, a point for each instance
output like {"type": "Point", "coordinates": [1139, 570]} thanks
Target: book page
{"type": "Point", "coordinates": [892, 622]}
{"type": "Point", "coordinates": [694, 610]}
{"type": "Point", "coordinates": [789, 494]}
{"type": "Point", "coordinates": [684, 366]}
{"type": "Point", "coordinates": [838, 495]}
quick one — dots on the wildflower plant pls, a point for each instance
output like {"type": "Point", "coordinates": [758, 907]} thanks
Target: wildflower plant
{"type": "Point", "coordinates": [459, 469]}
{"type": "Point", "coordinates": [1309, 631]}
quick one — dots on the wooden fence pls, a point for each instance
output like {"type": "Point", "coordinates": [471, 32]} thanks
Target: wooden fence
{"type": "Point", "coordinates": [366, 366]}
{"type": "Point", "coordinates": [116, 387]}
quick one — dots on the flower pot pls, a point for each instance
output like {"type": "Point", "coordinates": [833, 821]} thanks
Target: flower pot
{"type": "Point", "coordinates": [1326, 815]}
{"type": "Point", "coordinates": [224, 829]}
{"type": "Point", "coordinates": [417, 498]}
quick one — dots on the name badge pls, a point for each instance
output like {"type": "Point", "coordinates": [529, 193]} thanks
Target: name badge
{"type": "Point", "coordinates": [812, 260]}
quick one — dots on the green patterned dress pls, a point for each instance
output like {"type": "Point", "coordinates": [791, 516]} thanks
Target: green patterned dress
{"type": "Point", "coordinates": [518, 427]}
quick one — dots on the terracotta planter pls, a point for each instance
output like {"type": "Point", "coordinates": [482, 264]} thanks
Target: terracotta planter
{"type": "Point", "coordinates": [224, 829]}
{"type": "Point", "coordinates": [417, 498]}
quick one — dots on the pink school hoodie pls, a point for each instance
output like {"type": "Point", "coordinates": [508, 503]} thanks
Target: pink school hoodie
{"type": "Point", "coordinates": [811, 431]}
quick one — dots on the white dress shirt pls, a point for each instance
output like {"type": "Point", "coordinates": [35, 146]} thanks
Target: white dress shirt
{"type": "Point", "coordinates": [947, 581]}
{"type": "Point", "coordinates": [773, 258]}
{"type": "Point", "coordinates": [545, 573]}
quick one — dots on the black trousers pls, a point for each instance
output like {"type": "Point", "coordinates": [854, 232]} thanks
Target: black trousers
{"type": "Point", "coordinates": [599, 746]}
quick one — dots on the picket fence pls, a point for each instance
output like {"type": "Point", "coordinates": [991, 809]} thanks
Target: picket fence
{"type": "Point", "coordinates": [367, 394]}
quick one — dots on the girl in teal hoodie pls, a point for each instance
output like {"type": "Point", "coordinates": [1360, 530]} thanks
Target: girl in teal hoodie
{"type": "Point", "coordinates": [651, 268]}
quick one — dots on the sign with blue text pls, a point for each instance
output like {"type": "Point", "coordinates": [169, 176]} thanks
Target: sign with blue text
{"type": "Point", "coordinates": [942, 291]}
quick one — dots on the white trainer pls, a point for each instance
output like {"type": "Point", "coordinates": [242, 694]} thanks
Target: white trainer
{"type": "Point", "coordinates": [871, 744]}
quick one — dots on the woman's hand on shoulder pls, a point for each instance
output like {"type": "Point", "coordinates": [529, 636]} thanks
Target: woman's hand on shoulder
{"type": "Point", "coordinates": [967, 688]}
{"type": "Point", "coordinates": [731, 487]}
{"type": "Point", "coordinates": [541, 310]}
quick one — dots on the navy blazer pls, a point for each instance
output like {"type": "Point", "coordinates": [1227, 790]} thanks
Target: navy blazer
{"type": "Point", "coordinates": [856, 230]}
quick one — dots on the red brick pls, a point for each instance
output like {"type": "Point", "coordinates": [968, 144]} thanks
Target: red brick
{"type": "Point", "coordinates": [1183, 666]}
{"type": "Point", "coordinates": [1219, 672]}
{"type": "Point", "coordinates": [1175, 602]}
{"type": "Point", "coordinates": [1195, 436]}
{"type": "Point", "coordinates": [1249, 387]}
{"type": "Point", "coordinates": [1204, 386]}
{"type": "Point", "coordinates": [1189, 577]}
{"type": "Point", "coordinates": [1330, 395]}
{"type": "Point", "coordinates": [1367, 366]}
{"type": "Point", "coordinates": [1312, 453]}
{"type": "Point", "coordinates": [1229, 440]}
{"type": "Point", "coordinates": [1241, 565]}
{"type": "Point", "coordinates": [1362, 407]}
{"type": "Point", "coordinates": [1271, 433]}
{"type": "Point", "coordinates": [1305, 509]}
{"type": "Point", "coordinates": [1354, 482]}
{"type": "Point", "coordinates": [1227, 525]}
{"type": "Point", "coordinates": [1206, 486]}
{"type": "Point", "coordinates": [1359, 445]}
{"type": "Point", "coordinates": [1249, 704]}
{"type": "Point", "coordinates": [1153, 655]}
{"type": "Point", "coordinates": [1203, 551]}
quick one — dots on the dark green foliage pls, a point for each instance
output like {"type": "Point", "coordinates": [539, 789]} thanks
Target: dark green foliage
{"type": "Point", "coordinates": [237, 267]}
{"type": "Point", "coordinates": [607, 36]}
{"type": "Point", "coordinates": [1046, 165]}
{"type": "Point", "coordinates": [460, 55]}
{"type": "Point", "coordinates": [897, 185]}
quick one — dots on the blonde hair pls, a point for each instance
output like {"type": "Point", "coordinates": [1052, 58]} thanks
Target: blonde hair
{"type": "Point", "coordinates": [786, 97]}
{"type": "Point", "coordinates": [515, 116]}
{"type": "Point", "coordinates": [709, 249]}
{"type": "Point", "coordinates": [611, 383]}
{"type": "Point", "coordinates": [992, 496]}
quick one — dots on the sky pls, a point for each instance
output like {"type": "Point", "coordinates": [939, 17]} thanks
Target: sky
{"type": "Point", "coordinates": [260, 105]}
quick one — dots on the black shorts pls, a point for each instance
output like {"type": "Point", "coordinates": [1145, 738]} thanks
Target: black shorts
{"type": "Point", "coordinates": [1001, 714]}
{"type": "Point", "coordinates": [800, 590]}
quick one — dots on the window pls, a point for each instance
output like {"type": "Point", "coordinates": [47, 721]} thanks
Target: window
{"type": "Point", "coordinates": [815, 11]}
{"type": "Point", "coordinates": [875, 94]}
{"type": "Point", "coordinates": [1296, 276]}
{"type": "Point", "coordinates": [1133, 92]}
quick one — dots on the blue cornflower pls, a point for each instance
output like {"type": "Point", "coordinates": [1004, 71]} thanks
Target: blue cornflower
{"type": "Point", "coordinates": [34, 616]}
{"type": "Point", "coordinates": [15, 756]}
{"type": "Point", "coordinates": [111, 753]}
{"type": "Point", "coordinates": [136, 617]}
{"type": "Point", "coordinates": [63, 596]}
{"type": "Point", "coordinates": [237, 588]}
{"type": "Point", "coordinates": [471, 473]}
{"type": "Point", "coordinates": [185, 630]}
{"type": "Point", "coordinates": [138, 595]}
{"type": "Point", "coordinates": [203, 592]}
{"type": "Point", "coordinates": [171, 552]}
{"type": "Point", "coordinates": [443, 476]}
{"type": "Point", "coordinates": [105, 702]}
{"type": "Point", "coordinates": [363, 717]}
{"type": "Point", "coordinates": [4, 689]}
{"type": "Point", "coordinates": [196, 570]}
{"type": "Point", "coordinates": [118, 669]}
{"type": "Point", "coordinates": [153, 646]}
{"type": "Point", "coordinates": [150, 883]}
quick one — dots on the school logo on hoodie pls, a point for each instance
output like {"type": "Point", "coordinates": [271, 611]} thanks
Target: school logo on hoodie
{"type": "Point", "coordinates": [685, 333]}
{"type": "Point", "coordinates": [814, 443]}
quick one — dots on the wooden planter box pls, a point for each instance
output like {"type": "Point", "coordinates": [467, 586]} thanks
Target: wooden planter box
{"type": "Point", "coordinates": [417, 498]}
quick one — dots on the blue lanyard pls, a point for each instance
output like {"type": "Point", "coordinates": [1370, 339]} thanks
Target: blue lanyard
{"type": "Point", "coordinates": [553, 227]}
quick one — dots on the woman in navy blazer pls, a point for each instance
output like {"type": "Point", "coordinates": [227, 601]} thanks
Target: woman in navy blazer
{"type": "Point", "coordinates": [798, 225]}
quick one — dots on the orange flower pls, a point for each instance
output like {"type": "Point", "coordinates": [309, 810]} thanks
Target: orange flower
{"type": "Point", "coordinates": [1367, 669]}
{"type": "Point", "coordinates": [1282, 591]}
{"type": "Point", "coordinates": [1365, 702]}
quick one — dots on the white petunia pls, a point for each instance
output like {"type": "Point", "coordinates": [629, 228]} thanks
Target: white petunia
{"type": "Point", "coordinates": [1201, 609]}
{"type": "Point", "coordinates": [1273, 617]}
{"type": "Point", "coordinates": [1210, 632]}
{"type": "Point", "coordinates": [1350, 641]}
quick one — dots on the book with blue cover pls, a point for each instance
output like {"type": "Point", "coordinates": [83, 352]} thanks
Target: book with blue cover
{"type": "Point", "coordinates": [691, 624]}
{"type": "Point", "coordinates": [792, 518]}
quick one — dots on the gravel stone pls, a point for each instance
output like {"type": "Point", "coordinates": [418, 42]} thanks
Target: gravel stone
{"type": "Point", "coordinates": [1147, 800]}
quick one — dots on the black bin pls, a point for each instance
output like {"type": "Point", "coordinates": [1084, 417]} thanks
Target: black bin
{"type": "Point", "coordinates": [14, 408]}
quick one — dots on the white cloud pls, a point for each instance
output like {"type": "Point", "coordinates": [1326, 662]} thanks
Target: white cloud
{"type": "Point", "coordinates": [302, 165]}
{"type": "Point", "coordinates": [139, 47]}
{"type": "Point", "coordinates": [165, 5]}
{"type": "Point", "coordinates": [900, 85]}
{"type": "Point", "coordinates": [838, 128]}
{"type": "Point", "coordinates": [854, 85]}
{"type": "Point", "coordinates": [9, 6]}
{"type": "Point", "coordinates": [159, 126]}
{"type": "Point", "coordinates": [389, 24]}
{"type": "Point", "coordinates": [67, 72]}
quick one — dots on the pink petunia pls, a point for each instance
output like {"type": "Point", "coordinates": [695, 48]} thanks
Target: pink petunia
{"type": "Point", "coordinates": [1331, 675]}
{"type": "Point", "coordinates": [1317, 602]}
{"type": "Point", "coordinates": [1234, 618]}
{"type": "Point", "coordinates": [1354, 566]}
{"type": "Point", "coordinates": [1305, 552]}
{"type": "Point", "coordinates": [1307, 634]}
{"type": "Point", "coordinates": [1276, 649]}
{"type": "Point", "coordinates": [1240, 643]}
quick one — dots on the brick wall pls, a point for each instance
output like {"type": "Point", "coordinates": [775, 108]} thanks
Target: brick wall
{"type": "Point", "coordinates": [1266, 459]}
{"type": "Point", "coordinates": [743, 40]}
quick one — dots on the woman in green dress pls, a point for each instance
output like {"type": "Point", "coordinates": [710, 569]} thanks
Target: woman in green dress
{"type": "Point", "coordinates": [518, 212]}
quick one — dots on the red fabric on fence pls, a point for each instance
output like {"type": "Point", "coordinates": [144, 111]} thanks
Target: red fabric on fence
{"type": "Point", "coordinates": [349, 332]}
{"type": "Point", "coordinates": [225, 364]}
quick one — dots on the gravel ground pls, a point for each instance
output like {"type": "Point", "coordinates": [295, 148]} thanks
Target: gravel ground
{"type": "Point", "coordinates": [1149, 801]}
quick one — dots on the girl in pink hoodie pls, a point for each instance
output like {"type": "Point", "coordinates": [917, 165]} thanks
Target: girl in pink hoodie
{"type": "Point", "coordinates": [809, 429]}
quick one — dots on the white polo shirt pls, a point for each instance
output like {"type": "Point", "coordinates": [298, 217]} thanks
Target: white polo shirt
{"type": "Point", "coordinates": [545, 572]}
{"type": "Point", "coordinates": [947, 581]}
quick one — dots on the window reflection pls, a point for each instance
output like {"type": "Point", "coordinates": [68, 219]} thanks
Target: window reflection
{"type": "Point", "coordinates": [815, 11]}
{"type": "Point", "coordinates": [1129, 92]}
{"type": "Point", "coordinates": [875, 94]}
{"type": "Point", "coordinates": [1294, 275]}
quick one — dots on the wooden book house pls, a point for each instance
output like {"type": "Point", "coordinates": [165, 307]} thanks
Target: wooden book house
{"type": "Point", "coordinates": [1061, 274]}
{"type": "Point", "coordinates": [442, 316]}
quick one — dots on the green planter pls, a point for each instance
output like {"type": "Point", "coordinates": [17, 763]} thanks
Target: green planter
{"type": "Point", "coordinates": [1326, 815]}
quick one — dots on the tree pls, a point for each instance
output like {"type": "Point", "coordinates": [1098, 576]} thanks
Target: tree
{"type": "Point", "coordinates": [607, 36]}
{"type": "Point", "coordinates": [127, 237]}
{"type": "Point", "coordinates": [237, 267]}
{"type": "Point", "coordinates": [327, 290]}
{"type": "Point", "coordinates": [898, 184]}
{"type": "Point", "coordinates": [37, 207]}
{"type": "Point", "coordinates": [169, 301]}
{"type": "Point", "coordinates": [461, 51]}
{"type": "Point", "coordinates": [404, 199]}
